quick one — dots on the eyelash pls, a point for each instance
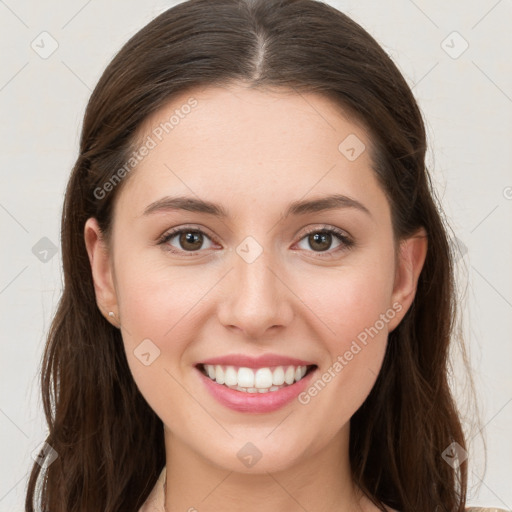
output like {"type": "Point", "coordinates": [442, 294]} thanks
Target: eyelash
{"type": "Point", "coordinates": [346, 242]}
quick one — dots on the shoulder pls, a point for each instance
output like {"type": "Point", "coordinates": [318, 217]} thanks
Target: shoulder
{"type": "Point", "coordinates": [485, 509]}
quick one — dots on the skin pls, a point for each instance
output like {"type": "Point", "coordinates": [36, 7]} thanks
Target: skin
{"type": "Point", "coordinates": [254, 152]}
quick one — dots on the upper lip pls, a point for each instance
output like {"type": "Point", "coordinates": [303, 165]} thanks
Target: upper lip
{"type": "Point", "coordinates": [263, 361]}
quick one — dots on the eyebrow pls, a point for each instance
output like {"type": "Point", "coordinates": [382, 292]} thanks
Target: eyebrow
{"type": "Point", "coordinates": [301, 207]}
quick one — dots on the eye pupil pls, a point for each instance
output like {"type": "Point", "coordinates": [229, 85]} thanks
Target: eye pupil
{"type": "Point", "coordinates": [190, 237]}
{"type": "Point", "coordinates": [320, 238]}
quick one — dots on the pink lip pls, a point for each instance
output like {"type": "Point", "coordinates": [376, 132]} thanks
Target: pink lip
{"type": "Point", "coordinates": [263, 361]}
{"type": "Point", "coordinates": [255, 402]}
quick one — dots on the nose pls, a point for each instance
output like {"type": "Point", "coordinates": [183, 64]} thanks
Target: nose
{"type": "Point", "coordinates": [257, 298]}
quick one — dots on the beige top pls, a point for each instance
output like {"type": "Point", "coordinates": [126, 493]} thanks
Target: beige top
{"type": "Point", "coordinates": [155, 501]}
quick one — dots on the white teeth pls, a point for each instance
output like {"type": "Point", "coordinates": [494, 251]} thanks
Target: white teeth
{"type": "Point", "coordinates": [230, 376]}
{"type": "Point", "coordinates": [245, 378]}
{"type": "Point", "coordinates": [300, 372]}
{"type": "Point", "coordinates": [289, 375]}
{"type": "Point", "coordinates": [278, 376]}
{"type": "Point", "coordinates": [252, 390]}
{"type": "Point", "coordinates": [261, 380]}
{"type": "Point", "coordinates": [219, 374]}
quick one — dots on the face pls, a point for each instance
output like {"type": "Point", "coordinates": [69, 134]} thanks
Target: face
{"type": "Point", "coordinates": [279, 274]}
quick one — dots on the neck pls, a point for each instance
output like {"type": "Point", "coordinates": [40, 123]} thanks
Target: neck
{"type": "Point", "coordinates": [318, 480]}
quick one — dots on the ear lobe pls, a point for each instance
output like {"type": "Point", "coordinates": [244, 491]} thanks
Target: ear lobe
{"type": "Point", "coordinates": [411, 258]}
{"type": "Point", "coordinates": [101, 269]}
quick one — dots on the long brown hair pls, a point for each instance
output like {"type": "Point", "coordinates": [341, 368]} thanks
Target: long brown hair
{"type": "Point", "coordinates": [109, 442]}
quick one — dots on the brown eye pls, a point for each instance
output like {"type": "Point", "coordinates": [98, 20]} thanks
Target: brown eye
{"type": "Point", "coordinates": [188, 240]}
{"type": "Point", "coordinates": [191, 240]}
{"type": "Point", "coordinates": [320, 241]}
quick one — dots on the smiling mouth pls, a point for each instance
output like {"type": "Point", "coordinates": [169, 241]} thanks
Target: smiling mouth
{"type": "Point", "coordinates": [255, 380]}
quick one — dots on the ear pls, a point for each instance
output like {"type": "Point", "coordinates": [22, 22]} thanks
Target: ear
{"type": "Point", "coordinates": [411, 257]}
{"type": "Point", "coordinates": [102, 271]}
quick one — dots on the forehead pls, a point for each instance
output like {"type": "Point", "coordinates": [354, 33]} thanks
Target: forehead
{"type": "Point", "coordinates": [229, 142]}
{"type": "Point", "coordinates": [216, 114]}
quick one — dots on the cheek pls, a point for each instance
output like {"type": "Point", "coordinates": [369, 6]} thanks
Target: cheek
{"type": "Point", "coordinates": [156, 301]}
{"type": "Point", "coordinates": [350, 299]}
{"type": "Point", "coordinates": [354, 303]}
{"type": "Point", "coordinates": [157, 308]}
{"type": "Point", "coordinates": [162, 310]}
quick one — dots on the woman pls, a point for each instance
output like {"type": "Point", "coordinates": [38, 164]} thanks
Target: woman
{"type": "Point", "coordinates": [259, 290]}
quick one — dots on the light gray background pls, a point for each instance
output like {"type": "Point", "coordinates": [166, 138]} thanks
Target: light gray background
{"type": "Point", "coordinates": [467, 103]}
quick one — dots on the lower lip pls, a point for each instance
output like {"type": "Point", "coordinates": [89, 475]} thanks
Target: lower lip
{"type": "Point", "coordinates": [255, 402]}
